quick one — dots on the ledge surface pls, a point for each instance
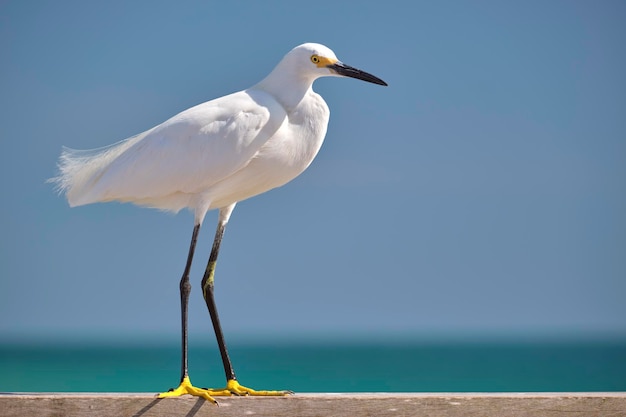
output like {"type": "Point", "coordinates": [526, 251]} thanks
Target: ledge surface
{"type": "Point", "coordinates": [601, 404]}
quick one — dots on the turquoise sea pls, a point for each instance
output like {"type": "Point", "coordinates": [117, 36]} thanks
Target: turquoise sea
{"type": "Point", "coordinates": [410, 366]}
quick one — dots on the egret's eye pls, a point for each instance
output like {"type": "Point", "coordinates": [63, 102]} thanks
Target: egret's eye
{"type": "Point", "coordinates": [315, 59]}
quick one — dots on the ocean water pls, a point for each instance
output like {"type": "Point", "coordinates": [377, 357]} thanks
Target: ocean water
{"type": "Point", "coordinates": [411, 366]}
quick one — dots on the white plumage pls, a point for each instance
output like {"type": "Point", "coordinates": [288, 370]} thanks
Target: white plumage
{"type": "Point", "coordinates": [216, 153]}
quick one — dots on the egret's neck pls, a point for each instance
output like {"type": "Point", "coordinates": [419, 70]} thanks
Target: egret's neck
{"type": "Point", "coordinates": [287, 87]}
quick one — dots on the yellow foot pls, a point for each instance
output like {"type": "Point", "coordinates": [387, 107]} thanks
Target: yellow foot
{"type": "Point", "coordinates": [234, 388]}
{"type": "Point", "coordinates": [185, 387]}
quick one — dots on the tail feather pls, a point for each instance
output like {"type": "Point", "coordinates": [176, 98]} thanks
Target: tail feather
{"type": "Point", "coordinates": [80, 170]}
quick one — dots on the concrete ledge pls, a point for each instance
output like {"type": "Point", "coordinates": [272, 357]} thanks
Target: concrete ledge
{"type": "Point", "coordinates": [305, 405]}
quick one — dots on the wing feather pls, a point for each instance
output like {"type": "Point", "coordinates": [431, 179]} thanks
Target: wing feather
{"type": "Point", "coordinates": [186, 154]}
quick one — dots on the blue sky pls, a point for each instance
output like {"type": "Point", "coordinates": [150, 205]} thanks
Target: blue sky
{"type": "Point", "coordinates": [482, 192]}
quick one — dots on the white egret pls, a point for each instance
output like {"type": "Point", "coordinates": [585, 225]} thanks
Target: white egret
{"type": "Point", "coordinates": [210, 157]}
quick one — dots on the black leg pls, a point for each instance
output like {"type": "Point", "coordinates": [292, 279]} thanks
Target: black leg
{"type": "Point", "coordinates": [185, 289]}
{"type": "Point", "coordinates": [232, 385]}
{"type": "Point", "coordinates": [207, 291]}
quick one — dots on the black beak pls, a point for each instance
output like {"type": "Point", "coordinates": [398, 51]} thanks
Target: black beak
{"type": "Point", "coordinates": [348, 71]}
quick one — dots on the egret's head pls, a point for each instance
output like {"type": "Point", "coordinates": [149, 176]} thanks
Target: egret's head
{"type": "Point", "coordinates": [313, 60]}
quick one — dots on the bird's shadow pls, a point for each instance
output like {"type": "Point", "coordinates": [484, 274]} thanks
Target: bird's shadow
{"type": "Point", "coordinates": [146, 408]}
{"type": "Point", "coordinates": [194, 410]}
{"type": "Point", "coordinates": [196, 407]}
